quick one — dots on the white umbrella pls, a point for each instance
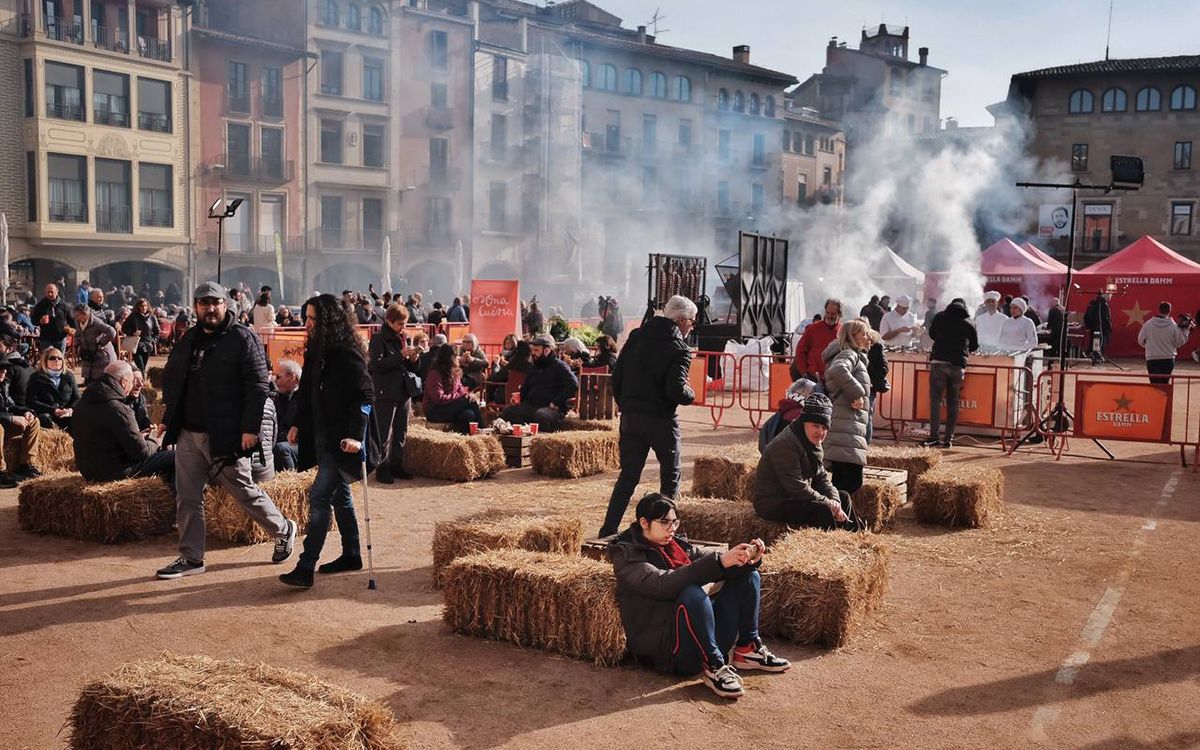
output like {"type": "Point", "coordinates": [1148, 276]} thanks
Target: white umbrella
{"type": "Point", "coordinates": [461, 268]}
{"type": "Point", "coordinates": [3, 258]}
{"type": "Point", "coordinates": [387, 265]}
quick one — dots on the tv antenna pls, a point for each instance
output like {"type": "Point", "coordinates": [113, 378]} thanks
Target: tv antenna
{"type": "Point", "coordinates": [1108, 38]}
{"type": "Point", "coordinates": [655, 20]}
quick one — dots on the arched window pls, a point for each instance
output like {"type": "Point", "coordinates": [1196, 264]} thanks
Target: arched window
{"type": "Point", "coordinates": [1183, 97]}
{"type": "Point", "coordinates": [375, 21]}
{"type": "Point", "coordinates": [353, 17]}
{"type": "Point", "coordinates": [739, 101]}
{"type": "Point", "coordinates": [1113, 101]}
{"type": "Point", "coordinates": [723, 100]}
{"type": "Point", "coordinates": [1081, 102]}
{"type": "Point", "coordinates": [1148, 99]}
{"type": "Point", "coordinates": [683, 89]}
{"type": "Point", "coordinates": [633, 82]}
{"type": "Point", "coordinates": [769, 109]}
{"type": "Point", "coordinates": [608, 78]}
{"type": "Point", "coordinates": [585, 73]}
{"type": "Point", "coordinates": [329, 13]}
{"type": "Point", "coordinates": [755, 107]}
{"type": "Point", "coordinates": [658, 86]}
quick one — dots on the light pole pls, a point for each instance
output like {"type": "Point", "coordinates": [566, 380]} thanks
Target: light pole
{"type": "Point", "coordinates": [215, 212]}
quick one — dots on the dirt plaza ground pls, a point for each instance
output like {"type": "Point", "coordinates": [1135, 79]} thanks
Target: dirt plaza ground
{"type": "Point", "coordinates": [1071, 623]}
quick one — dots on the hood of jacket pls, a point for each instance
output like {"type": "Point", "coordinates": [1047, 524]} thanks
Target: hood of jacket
{"type": "Point", "coordinates": [1157, 321]}
{"type": "Point", "coordinates": [957, 311]}
{"type": "Point", "coordinates": [661, 328]}
{"type": "Point", "coordinates": [105, 389]}
{"type": "Point", "coordinates": [833, 349]}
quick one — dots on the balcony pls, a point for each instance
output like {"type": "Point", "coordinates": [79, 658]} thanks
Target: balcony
{"type": "Point", "coordinates": [62, 30]}
{"type": "Point", "coordinates": [272, 107]}
{"type": "Point", "coordinates": [237, 105]}
{"type": "Point", "coordinates": [104, 116]}
{"type": "Point", "coordinates": [71, 212]}
{"type": "Point", "coordinates": [261, 244]}
{"type": "Point", "coordinates": [117, 219]}
{"type": "Point", "coordinates": [64, 111]}
{"type": "Point", "coordinates": [242, 168]}
{"type": "Point", "coordinates": [113, 40]}
{"type": "Point", "coordinates": [154, 121]}
{"type": "Point", "coordinates": [331, 89]}
{"type": "Point", "coordinates": [439, 118]}
{"type": "Point", "coordinates": [156, 217]}
{"type": "Point", "coordinates": [346, 239]}
{"type": "Point", "coordinates": [154, 49]}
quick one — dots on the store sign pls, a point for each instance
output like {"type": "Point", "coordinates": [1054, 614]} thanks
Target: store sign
{"type": "Point", "coordinates": [976, 399]}
{"type": "Point", "coordinates": [495, 310]}
{"type": "Point", "coordinates": [1123, 411]}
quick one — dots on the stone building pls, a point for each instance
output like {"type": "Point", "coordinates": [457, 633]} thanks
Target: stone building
{"type": "Point", "coordinates": [813, 158]}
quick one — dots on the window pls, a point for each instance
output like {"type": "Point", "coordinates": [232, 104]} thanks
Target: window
{"type": "Point", "coordinates": [649, 134]}
{"type": "Point", "coordinates": [64, 91]}
{"type": "Point", "coordinates": [372, 145]}
{"type": "Point", "coordinates": [685, 133]}
{"type": "Point", "coordinates": [759, 156]}
{"type": "Point", "coordinates": [499, 137]}
{"type": "Point", "coordinates": [270, 143]}
{"type": "Point", "coordinates": [331, 141]}
{"type": "Point", "coordinates": [331, 221]}
{"type": "Point", "coordinates": [1097, 227]}
{"type": "Point", "coordinates": [1079, 157]}
{"type": "Point", "coordinates": [329, 13]}
{"type": "Point", "coordinates": [437, 219]}
{"type": "Point", "coordinates": [585, 74]}
{"type": "Point", "coordinates": [756, 199]}
{"type": "Point", "coordinates": [723, 148]}
{"type": "Point", "coordinates": [1181, 218]}
{"type": "Point", "coordinates": [723, 198]}
{"type": "Point", "coordinates": [500, 78]}
{"type": "Point", "coordinates": [498, 207]}
{"type": "Point", "coordinates": [1183, 97]}
{"type": "Point", "coordinates": [607, 80]}
{"type": "Point", "coordinates": [633, 82]}
{"type": "Point", "coordinates": [1080, 103]}
{"type": "Point", "coordinates": [739, 101]}
{"type": "Point", "coordinates": [331, 73]}
{"type": "Point", "coordinates": [755, 106]}
{"type": "Point", "coordinates": [373, 80]}
{"type": "Point", "coordinates": [375, 21]}
{"type": "Point", "coordinates": [31, 186]}
{"type": "Point", "coordinates": [113, 212]}
{"type": "Point", "coordinates": [272, 92]}
{"type": "Point", "coordinates": [650, 185]}
{"type": "Point", "coordinates": [154, 105]}
{"type": "Point", "coordinates": [769, 109]}
{"type": "Point", "coordinates": [29, 88]}
{"type": "Point", "coordinates": [658, 86]}
{"type": "Point", "coordinates": [808, 145]}
{"type": "Point", "coordinates": [1113, 101]}
{"type": "Point", "coordinates": [155, 204]}
{"type": "Point", "coordinates": [372, 222]}
{"type": "Point", "coordinates": [1183, 154]}
{"type": "Point", "coordinates": [237, 97]}
{"type": "Point", "coordinates": [723, 100]}
{"type": "Point", "coordinates": [110, 99]}
{"type": "Point", "coordinates": [911, 122]}
{"type": "Point", "coordinates": [786, 145]}
{"type": "Point", "coordinates": [896, 82]}
{"type": "Point", "coordinates": [681, 91]}
{"type": "Point", "coordinates": [612, 132]}
{"type": "Point", "coordinates": [67, 178]}
{"type": "Point", "coordinates": [353, 17]}
{"type": "Point", "coordinates": [237, 149]}
{"type": "Point", "coordinates": [439, 157]}
{"type": "Point", "coordinates": [802, 188]}
{"type": "Point", "coordinates": [827, 176]}
{"type": "Point", "coordinates": [1148, 99]}
{"type": "Point", "coordinates": [437, 95]}
{"type": "Point", "coordinates": [439, 50]}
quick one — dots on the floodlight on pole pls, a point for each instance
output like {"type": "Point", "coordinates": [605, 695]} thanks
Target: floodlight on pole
{"type": "Point", "coordinates": [216, 212]}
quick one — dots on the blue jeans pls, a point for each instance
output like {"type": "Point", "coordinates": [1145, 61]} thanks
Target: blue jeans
{"type": "Point", "coordinates": [330, 492]}
{"type": "Point", "coordinates": [706, 628]}
{"type": "Point", "coordinates": [286, 456]}
{"type": "Point", "coordinates": [159, 464]}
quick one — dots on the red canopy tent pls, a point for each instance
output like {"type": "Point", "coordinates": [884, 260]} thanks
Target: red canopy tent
{"type": "Point", "coordinates": [1046, 258]}
{"type": "Point", "coordinates": [1010, 269]}
{"type": "Point", "coordinates": [1144, 274]}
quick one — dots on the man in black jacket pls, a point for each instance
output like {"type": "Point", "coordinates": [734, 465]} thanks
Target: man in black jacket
{"type": "Point", "coordinates": [214, 387]}
{"type": "Point", "coordinates": [109, 444]}
{"type": "Point", "coordinates": [287, 407]}
{"type": "Point", "coordinates": [53, 318]}
{"type": "Point", "coordinates": [392, 363]}
{"type": "Point", "coordinates": [954, 338]}
{"type": "Point", "coordinates": [549, 386]}
{"type": "Point", "coordinates": [21, 433]}
{"type": "Point", "coordinates": [649, 381]}
{"type": "Point", "coordinates": [20, 371]}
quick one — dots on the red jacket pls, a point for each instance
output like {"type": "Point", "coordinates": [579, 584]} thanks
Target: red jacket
{"type": "Point", "coordinates": [816, 337]}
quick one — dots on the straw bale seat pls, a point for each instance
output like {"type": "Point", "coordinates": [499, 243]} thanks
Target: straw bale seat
{"type": "Point", "coordinates": [224, 519]}
{"type": "Point", "coordinates": [959, 495]}
{"type": "Point", "coordinates": [728, 474]}
{"type": "Point", "coordinates": [451, 456]}
{"type": "Point", "coordinates": [492, 530]}
{"type": "Point", "coordinates": [717, 520]}
{"type": "Point", "coordinates": [570, 455]}
{"type": "Point", "coordinates": [914, 459]}
{"type": "Point", "coordinates": [55, 451]}
{"type": "Point", "coordinates": [65, 504]}
{"type": "Point", "coordinates": [876, 503]}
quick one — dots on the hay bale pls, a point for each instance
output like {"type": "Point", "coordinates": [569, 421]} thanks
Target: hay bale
{"type": "Point", "coordinates": [575, 424]}
{"type": "Point", "coordinates": [561, 603]}
{"type": "Point", "coordinates": [65, 504]}
{"type": "Point", "coordinates": [193, 702]}
{"type": "Point", "coordinates": [55, 451]}
{"type": "Point", "coordinates": [958, 495]}
{"type": "Point", "coordinates": [728, 474]}
{"type": "Point", "coordinates": [876, 503]}
{"type": "Point", "coordinates": [821, 586]}
{"type": "Point", "coordinates": [493, 530]}
{"type": "Point", "coordinates": [570, 455]}
{"type": "Point", "coordinates": [912, 458]}
{"type": "Point", "coordinates": [155, 376]}
{"type": "Point", "coordinates": [225, 519]}
{"type": "Point", "coordinates": [715, 520]}
{"type": "Point", "coordinates": [451, 456]}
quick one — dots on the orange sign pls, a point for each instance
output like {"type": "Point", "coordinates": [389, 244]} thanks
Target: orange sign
{"type": "Point", "coordinates": [976, 399]}
{"type": "Point", "coordinates": [288, 345]}
{"type": "Point", "coordinates": [778, 381]}
{"type": "Point", "coordinates": [1123, 411]}
{"type": "Point", "coordinates": [495, 310]}
{"type": "Point", "coordinates": [698, 379]}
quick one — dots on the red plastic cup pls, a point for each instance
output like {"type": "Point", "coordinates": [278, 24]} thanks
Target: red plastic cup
{"type": "Point", "coordinates": [473, 428]}
{"type": "Point", "coordinates": [533, 428]}
{"type": "Point", "coordinates": [517, 431]}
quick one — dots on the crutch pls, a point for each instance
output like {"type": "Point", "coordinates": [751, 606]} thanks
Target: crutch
{"type": "Point", "coordinates": [366, 410]}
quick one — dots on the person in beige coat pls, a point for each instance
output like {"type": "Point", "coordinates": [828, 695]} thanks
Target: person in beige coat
{"type": "Point", "coordinates": [848, 386]}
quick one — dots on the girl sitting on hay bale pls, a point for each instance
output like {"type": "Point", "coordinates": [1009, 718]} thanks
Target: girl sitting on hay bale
{"type": "Point", "coordinates": [670, 620]}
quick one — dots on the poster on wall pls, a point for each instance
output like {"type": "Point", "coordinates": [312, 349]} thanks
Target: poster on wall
{"type": "Point", "coordinates": [1054, 220]}
{"type": "Point", "coordinates": [1123, 411]}
{"type": "Point", "coordinates": [976, 399]}
{"type": "Point", "coordinates": [495, 310]}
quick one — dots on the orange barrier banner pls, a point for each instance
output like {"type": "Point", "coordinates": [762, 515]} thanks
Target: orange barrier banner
{"type": "Point", "coordinates": [1123, 411]}
{"type": "Point", "coordinates": [288, 345]}
{"type": "Point", "coordinates": [698, 379]}
{"type": "Point", "coordinates": [778, 383]}
{"type": "Point", "coordinates": [976, 399]}
{"type": "Point", "coordinates": [495, 310]}
{"type": "Point", "coordinates": [456, 331]}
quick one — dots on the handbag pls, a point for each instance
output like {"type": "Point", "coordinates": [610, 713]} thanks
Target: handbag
{"type": "Point", "coordinates": [412, 385]}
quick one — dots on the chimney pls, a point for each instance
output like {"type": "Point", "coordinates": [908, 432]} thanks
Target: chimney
{"type": "Point", "coordinates": [741, 54]}
{"type": "Point", "coordinates": [924, 53]}
{"type": "Point", "coordinates": [641, 34]}
{"type": "Point", "coordinates": [833, 42]}
{"type": "Point", "coordinates": [951, 123]}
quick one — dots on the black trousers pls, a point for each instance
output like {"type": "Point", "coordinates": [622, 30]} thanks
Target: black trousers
{"type": "Point", "coordinates": [819, 515]}
{"type": "Point", "coordinates": [393, 415]}
{"type": "Point", "coordinates": [641, 434]}
{"type": "Point", "coordinates": [847, 477]}
{"type": "Point", "coordinates": [1160, 370]}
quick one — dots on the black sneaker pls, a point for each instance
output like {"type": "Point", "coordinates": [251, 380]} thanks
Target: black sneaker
{"type": "Point", "coordinates": [760, 658]}
{"type": "Point", "coordinates": [931, 443]}
{"type": "Point", "coordinates": [724, 682]}
{"type": "Point", "coordinates": [341, 565]}
{"type": "Point", "coordinates": [299, 577]}
{"type": "Point", "coordinates": [285, 544]}
{"type": "Point", "coordinates": [947, 443]}
{"type": "Point", "coordinates": [7, 481]}
{"type": "Point", "coordinates": [28, 471]}
{"type": "Point", "coordinates": [180, 568]}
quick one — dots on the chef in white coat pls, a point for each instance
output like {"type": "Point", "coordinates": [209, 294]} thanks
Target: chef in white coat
{"type": "Point", "coordinates": [990, 322]}
{"type": "Point", "coordinates": [899, 326]}
{"type": "Point", "coordinates": [1018, 333]}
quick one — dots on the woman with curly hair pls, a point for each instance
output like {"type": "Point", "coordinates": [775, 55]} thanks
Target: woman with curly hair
{"type": "Point", "coordinates": [446, 399]}
{"type": "Point", "coordinates": [330, 429]}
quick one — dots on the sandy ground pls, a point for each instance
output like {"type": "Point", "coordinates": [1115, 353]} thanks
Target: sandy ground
{"type": "Point", "coordinates": [1092, 566]}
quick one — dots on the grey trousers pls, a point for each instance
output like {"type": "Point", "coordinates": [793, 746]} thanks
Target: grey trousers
{"type": "Point", "coordinates": [193, 467]}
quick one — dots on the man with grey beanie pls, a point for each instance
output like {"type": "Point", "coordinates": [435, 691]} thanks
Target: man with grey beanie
{"type": "Point", "coordinates": [214, 388]}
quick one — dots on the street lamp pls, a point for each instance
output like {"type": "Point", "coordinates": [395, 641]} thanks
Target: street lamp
{"type": "Point", "coordinates": [215, 212]}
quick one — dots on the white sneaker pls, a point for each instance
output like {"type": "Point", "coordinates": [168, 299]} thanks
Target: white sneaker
{"type": "Point", "coordinates": [725, 682]}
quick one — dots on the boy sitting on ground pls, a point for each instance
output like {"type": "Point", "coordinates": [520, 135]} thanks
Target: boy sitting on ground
{"type": "Point", "coordinates": [670, 621]}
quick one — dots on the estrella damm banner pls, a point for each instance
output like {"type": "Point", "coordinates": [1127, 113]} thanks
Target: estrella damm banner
{"type": "Point", "coordinates": [976, 399]}
{"type": "Point", "coordinates": [1123, 411]}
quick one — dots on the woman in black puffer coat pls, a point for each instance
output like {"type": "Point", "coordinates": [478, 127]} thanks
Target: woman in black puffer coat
{"type": "Point", "coordinates": [142, 323]}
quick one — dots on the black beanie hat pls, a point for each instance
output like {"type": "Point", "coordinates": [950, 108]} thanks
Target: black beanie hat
{"type": "Point", "coordinates": [817, 408]}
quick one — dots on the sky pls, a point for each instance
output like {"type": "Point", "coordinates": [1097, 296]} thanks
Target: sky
{"type": "Point", "coordinates": [981, 44]}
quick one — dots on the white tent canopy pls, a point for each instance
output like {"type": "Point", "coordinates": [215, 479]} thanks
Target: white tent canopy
{"type": "Point", "coordinates": [894, 276]}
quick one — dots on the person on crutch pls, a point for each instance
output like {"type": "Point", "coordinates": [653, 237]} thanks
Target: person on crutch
{"type": "Point", "coordinates": [329, 432]}
{"type": "Point", "coordinates": [393, 365]}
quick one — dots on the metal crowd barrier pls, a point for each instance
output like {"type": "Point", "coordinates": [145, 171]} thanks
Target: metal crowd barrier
{"type": "Point", "coordinates": [712, 376]}
{"type": "Point", "coordinates": [761, 382]}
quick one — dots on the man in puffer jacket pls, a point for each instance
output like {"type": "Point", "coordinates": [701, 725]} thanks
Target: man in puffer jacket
{"type": "Point", "coordinates": [848, 385]}
{"type": "Point", "coordinates": [954, 338]}
{"type": "Point", "coordinates": [1161, 337]}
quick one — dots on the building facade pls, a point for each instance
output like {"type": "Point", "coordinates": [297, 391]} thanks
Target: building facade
{"type": "Point", "coordinates": [1080, 115]}
{"type": "Point", "coordinates": [813, 158]}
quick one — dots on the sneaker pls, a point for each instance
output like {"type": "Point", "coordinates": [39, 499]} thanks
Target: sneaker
{"type": "Point", "coordinates": [757, 656]}
{"type": "Point", "coordinates": [341, 565]}
{"type": "Point", "coordinates": [28, 472]}
{"type": "Point", "coordinates": [7, 481]}
{"type": "Point", "coordinates": [930, 443]}
{"type": "Point", "coordinates": [947, 443]}
{"type": "Point", "coordinates": [724, 682]}
{"type": "Point", "coordinates": [285, 544]}
{"type": "Point", "coordinates": [180, 568]}
{"type": "Point", "coordinates": [299, 577]}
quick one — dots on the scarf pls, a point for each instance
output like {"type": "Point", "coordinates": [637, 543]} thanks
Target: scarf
{"type": "Point", "coordinates": [55, 377]}
{"type": "Point", "coordinates": [676, 557]}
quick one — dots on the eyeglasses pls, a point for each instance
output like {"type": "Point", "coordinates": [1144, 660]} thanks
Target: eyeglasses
{"type": "Point", "coordinates": [54, 359]}
{"type": "Point", "coordinates": [669, 523]}
{"type": "Point", "coordinates": [210, 302]}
